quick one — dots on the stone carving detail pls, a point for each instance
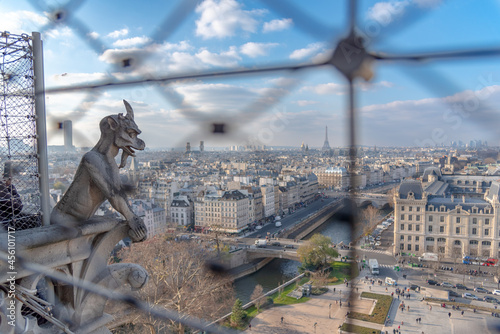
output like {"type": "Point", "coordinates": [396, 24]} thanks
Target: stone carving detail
{"type": "Point", "coordinates": [97, 177]}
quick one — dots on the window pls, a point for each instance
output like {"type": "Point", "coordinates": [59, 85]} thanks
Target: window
{"type": "Point", "coordinates": [409, 247]}
{"type": "Point", "coordinates": [458, 211]}
{"type": "Point", "coordinates": [409, 238]}
{"type": "Point", "coordinates": [487, 221]}
{"type": "Point", "coordinates": [441, 209]}
{"type": "Point", "coordinates": [474, 210]}
{"type": "Point", "coordinates": [473, 242]}
{"type": "Point", "coordinates": [417, 227]}
{"type": "Point", "coordinates": [441, 240]}
{"type": "Point", "coordinates": [474, 220]}
{"type": "Point", "coordinates": [402, 217]}
{"type": "Point", "coordinates": [430, 218]}
{"type": "Point", "coordinates": [418, 209]}
{"type": "Point", "coordinates": [410, 226]}
{"type": "Point", "coordinates": [474, 230]}
{"type": "Point", "coordinates": [417, 248]}
{"type": "Point", "coordinates": [402, 237]}
{"type": "Point", "coordinates": [402, 208]}
{"type": "Point", "coordinates": [402, 246]}
{"type": "Point", "coordinates": [457, 243]}
{"type": "Point", "coordinates": [402, 227]}
{"type": "Point", "coordinates": [410, 208]}
{"type": "Point", "coordinates": [430, 228]}
{"type": "Point", "coordinates": [486, 243]}
{"type": "Point", "coordinates": [458, 220]}
{"type": "Point", "coordinates": [410, 217]}
{"type": "Point", "coordinates": [429, 239]}
{"type": "Point", "coordinates": [441, 219]}
{"type": "Point", "coordinates": [457, 230]}
{"type": "Point", "coordinates": [441, 229]}
{"type": "Point", "coordinates": [486, 231]}
{"type": "Point", "coordinates": [417, 238]}
{"type": "Point", "coordinates": [417, 218]}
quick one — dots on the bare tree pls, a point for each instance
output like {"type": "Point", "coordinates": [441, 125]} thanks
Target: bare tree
{"type": "Point", "coordinates": [257, 295]}
{"type": "Point", "coordinates": [390, 196]}
{"type": "Point", "coordinates": [370, 216]}
{"type": "Point", "coordinates": [178, 279]}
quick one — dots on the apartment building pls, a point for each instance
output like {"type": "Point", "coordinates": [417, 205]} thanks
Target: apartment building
{"type": "Point", "coordinates": [447, 217]}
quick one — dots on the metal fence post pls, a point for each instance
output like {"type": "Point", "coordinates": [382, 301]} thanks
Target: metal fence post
{"type": "Point", "coordinates": [41, 127]}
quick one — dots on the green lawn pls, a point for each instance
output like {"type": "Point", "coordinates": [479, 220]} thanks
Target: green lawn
{"type": "Point", "coordinates": [380, 310]}
{"type": "Point", "coordinates": [358, 329]}
{"type": "Point", "coordinates": [341, 270]}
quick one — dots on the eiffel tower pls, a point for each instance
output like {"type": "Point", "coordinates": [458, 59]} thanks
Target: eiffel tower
{"type": "Point", "coordinates": [326, 145]}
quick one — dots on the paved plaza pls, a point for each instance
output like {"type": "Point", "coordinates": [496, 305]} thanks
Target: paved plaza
{"type": "Point", "coordinates": [300, 318]}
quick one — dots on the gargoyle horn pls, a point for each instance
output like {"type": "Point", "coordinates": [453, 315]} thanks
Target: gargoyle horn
{"type": "Point", "coordinates": [130, 111]}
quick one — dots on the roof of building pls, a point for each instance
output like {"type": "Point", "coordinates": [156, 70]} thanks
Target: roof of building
{"type": "Point", "coordinates": [437, 188]}
{"type": "Point", "coordinates": [494, 190]}
{"type": "Point", "coordinates": [467, 203]}
{"type": "Point", "coordinates": [410, 186]}
{"type": "Point", "coordinates": [431, 171]}
{"type": "Point", "coordinates": [233, 195]}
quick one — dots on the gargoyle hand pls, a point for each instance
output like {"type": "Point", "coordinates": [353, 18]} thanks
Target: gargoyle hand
{"type": "Point", "coordinates": [138, 231]}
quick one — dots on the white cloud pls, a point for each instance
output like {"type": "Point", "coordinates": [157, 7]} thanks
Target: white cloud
{"type": "Point", "coordinates": [277, 25]}
{"type": "Point", "coordinates": [23, 21]}
{"type": "Point", "coordinates": [228, 58]}
{"type": "Point", "coordinates": [256, 49]}
{"type": "Point", "coordinates": [75, 78]}
{"type": "Point", "coordinates": [304, 103]}
{"type": "Point", "coordinates": [366, 86]}
{"type": "Point", "coordinates": [306, 52]}
{"type": "Point", "coordinates": [130, 42]}
{"type": "Point", "coordinates": [327, 89]}
{"type": "Point", "coordinates": [181, 46]}
{"type": "Point", "coordinates": [183, 61]}
{"type": "Point", "coordinates": [386, 12]}
{"type": "Point", "coordinates": [118, 33]}
{"type": "Point", "coordinates": [93, 35]}
{"type": "Point", "coordinates": [223, 18]}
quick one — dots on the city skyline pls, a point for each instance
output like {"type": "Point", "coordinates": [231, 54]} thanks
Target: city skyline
{"type": "Point", "coordinates": [427, 105]}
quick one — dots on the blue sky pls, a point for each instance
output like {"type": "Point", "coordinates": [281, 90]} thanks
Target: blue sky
{"type": "Point", "coordinates": [404, 104]}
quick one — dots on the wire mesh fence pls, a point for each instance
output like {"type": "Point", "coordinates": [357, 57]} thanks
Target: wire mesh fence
{"type": "Point", "coordinates": [19, 193]}
{"type": "Point", "coordinates": [18, 151]}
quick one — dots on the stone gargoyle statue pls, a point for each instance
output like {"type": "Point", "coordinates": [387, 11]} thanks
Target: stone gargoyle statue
{"type": "Point", "coordinates": [98, 179]}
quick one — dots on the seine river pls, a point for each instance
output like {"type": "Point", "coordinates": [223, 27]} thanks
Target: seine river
{"type": "Point", "coordinates": [281, 270]}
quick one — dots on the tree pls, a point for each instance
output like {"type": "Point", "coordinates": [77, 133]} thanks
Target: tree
{"type": "Point", "coordinates": [370, 217]}
{"type": "Point", "coordinates": [257, 295]}
{"type": "Point", "coordinates": [317, 252]}
{"type": "Point", "coordinates": [238, 313]}
{"type": "Point", "coordinates": [390, 196]}
{"type": "Point", "coordinates": [179, 280]}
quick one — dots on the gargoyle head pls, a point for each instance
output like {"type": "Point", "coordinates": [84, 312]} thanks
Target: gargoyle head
{"type": "Point", "coordinates": [125, 132]}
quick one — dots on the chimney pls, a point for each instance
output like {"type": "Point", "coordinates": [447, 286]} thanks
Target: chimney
{"type": "Point", "coordinates": [463, 198]}
{"type": "Point", "coordinates": [452, 198]}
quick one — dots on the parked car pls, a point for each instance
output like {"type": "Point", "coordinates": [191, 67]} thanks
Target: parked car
{"type": "Point", "coordinates": [481, 290]}
{"type": "Point", "coordinates": [490, 299]}
{"type": "Point", "coordinates": [447, 285]}
{"type": "Point", "coordinates": [378, 243]}
{"type": "Point", "coordinates": [462, 287]}
{"type": "Point", "coordinates": [496, 292]}
{"type": "Point", "coordinates": [275, 243]}
{"type": "Point", "coordinates": [415, 287]}
{"type": "Point", "coordinates": [468, 295]}
{"type": "Point", "coordinates": [452, 293]}
{"type": "Point", "coordinates": [289, 246]}
{"type": "Point", "coordinates": [432, 282]}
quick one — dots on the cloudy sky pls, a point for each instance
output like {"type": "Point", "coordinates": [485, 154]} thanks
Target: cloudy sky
{"type": "Point", "coordinates": [405, 103]}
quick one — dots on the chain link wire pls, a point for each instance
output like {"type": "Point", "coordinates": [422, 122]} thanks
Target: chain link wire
{"type": "Point", "coordinates": [19, 185]}
{"type": "Point", "coordinates": [18, 151]}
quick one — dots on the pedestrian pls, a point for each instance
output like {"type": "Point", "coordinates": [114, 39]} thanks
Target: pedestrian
{"type": "Point", "coordinates": [430, 307]}
{"type": "Point", "coordinates": [408, 308]}
{"type": "Point", "coordinates": [462, 313]}
{"type": "Point", "coordinates": [250, 326]}
{"type": "Point", "coordinates": [416, 320]}
{"type": "Point", "coordinates": [398, 297]}
{"type": "Point", "coordinates": [333, 290]}
{"type": "Point", "coordinates": [340, 304]}
{"type": "Point", "coordinates": [282, 320]}
{"type": "Point", "coordinates": [357, 289]}
{"type": "Point", "coordinates": [394, 331]}
{"type": "Point", "coordinates": [449, 314]}
{"type": "Point", "coordinates": [336, 302]}
{"type": "Point", "coordinates": [419, 320]}
{"type": "Point", "coordinates": [392, 294]}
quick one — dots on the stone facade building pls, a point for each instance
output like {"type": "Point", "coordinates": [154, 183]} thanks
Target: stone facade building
{"type": "Point", "coordinates": [448, 216]}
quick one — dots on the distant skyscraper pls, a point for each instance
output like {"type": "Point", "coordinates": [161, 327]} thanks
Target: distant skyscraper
{"type": "Point", "coordinates": [188, 147]}
{"type": "Point", "coordinates": [326, 145]}
{"type": "Point", "coordinates": [68, 135]}
{"type": "Point", "coordinates": [202, 146]}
